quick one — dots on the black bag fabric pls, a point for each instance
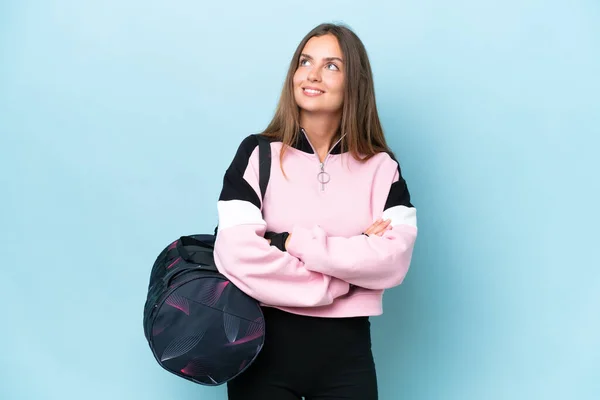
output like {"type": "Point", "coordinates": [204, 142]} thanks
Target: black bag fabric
{"type": "Point", "coordinates": [198, 324]}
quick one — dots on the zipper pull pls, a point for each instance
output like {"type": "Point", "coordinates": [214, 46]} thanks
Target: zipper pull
{"type": "Point", "coordinates": [323, 177]}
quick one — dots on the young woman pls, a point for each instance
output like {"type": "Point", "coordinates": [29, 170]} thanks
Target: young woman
{"type": "Point", "coordinates": [336, 227]}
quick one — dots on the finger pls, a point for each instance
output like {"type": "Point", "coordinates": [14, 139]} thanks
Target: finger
{"type": "Point", "coordinates": [382, 227]}
{"type": "Point", "coordinates": [378, 226]}
{"type": "Point", "coordinates": [371, 229]}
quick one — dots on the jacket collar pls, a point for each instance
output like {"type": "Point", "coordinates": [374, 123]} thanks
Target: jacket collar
{"type": "Point", "coordinates": [303, 144]}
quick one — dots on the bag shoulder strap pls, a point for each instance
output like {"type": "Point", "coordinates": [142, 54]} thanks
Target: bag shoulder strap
{"type": "Point", "coordinates": [264, 163]}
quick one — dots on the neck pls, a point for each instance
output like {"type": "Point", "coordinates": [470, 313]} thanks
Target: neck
{"type": "Point", "coordinates": [321, 131]}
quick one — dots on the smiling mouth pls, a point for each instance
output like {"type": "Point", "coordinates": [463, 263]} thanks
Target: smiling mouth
{"type": "Point", "coordinates": [312, 91]}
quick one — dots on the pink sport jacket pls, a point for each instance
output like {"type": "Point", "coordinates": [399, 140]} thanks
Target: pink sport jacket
{"type": "Point", "coordinates": [329, 268]}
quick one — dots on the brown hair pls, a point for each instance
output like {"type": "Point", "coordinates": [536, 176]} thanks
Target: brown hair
{"type": "Point", "coordinates": [360, 122]}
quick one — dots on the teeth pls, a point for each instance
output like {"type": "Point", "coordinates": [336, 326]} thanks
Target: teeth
{"type": "Point", "coordinates": [312, 91]}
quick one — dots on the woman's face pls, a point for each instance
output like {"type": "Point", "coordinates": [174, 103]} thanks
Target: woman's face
{"type": "Point", "coordinates": [319, 79]}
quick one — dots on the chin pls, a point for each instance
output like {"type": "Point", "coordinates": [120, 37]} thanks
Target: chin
{"type": "Point", "coordinates": [313, 106]}
{"type": "Point", "coordinates": [323, 110]}
{"type": "Point", "coordinates": [310, 107]}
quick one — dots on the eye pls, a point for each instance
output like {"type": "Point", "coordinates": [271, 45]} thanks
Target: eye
{"type": "Point", "coordinates": [334, 67]}
{"type": "Point", "coordinates": [304, 62]}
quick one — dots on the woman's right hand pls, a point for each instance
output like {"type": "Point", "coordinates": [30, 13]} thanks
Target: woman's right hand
{"type": "Point", "coordinates": [278, 240]}
{"type": "Point", "coordinates": [378, 227]}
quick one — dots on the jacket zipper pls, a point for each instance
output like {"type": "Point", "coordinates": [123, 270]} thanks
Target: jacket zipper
{"type": "Point", "coordinates": [323, 177]}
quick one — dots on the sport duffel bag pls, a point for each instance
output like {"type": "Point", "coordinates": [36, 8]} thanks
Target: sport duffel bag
{"type": "Point", "coordinates": [198, 324]}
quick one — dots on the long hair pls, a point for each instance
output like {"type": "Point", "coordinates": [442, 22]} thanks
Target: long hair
{"type": "Point", "coordinates": [363, 134]}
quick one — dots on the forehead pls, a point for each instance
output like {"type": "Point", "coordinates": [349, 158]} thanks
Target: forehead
{"type": "Point", "coordinates": [323, 46]}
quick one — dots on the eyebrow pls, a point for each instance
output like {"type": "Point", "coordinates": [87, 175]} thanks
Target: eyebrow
{"type": "Point", "coordinates": [326, 58]}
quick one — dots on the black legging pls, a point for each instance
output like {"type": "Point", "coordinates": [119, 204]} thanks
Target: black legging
{"type": "Point", "coordinates": [318, 358]}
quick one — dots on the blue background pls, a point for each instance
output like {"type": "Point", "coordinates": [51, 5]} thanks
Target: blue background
{"type": "Point", "coordinates": [118, 119]}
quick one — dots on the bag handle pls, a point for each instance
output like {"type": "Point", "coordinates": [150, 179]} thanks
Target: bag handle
{"type": "Point", "coordinates": [195, 251]}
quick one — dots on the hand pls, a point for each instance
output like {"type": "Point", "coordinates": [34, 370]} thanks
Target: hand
{"type": "Point", "coordinates": [278, 240]}
{"type": "Point", "coordinates": [268, 236]}
{"type": "Point", "coordinates": [287, 241]}
{"type": "Point", "coordinates": [378, 227]}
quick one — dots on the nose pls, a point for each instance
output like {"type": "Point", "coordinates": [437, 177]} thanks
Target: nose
{"type": "Point", "coordinates": [314, 75]}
